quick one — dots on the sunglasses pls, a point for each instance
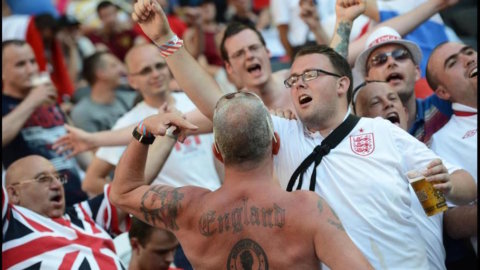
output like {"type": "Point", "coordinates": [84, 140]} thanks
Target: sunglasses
{"type": "Point", "coordinates": [148, 70]}
{"type": "Point", "coordinates": [381, 58]}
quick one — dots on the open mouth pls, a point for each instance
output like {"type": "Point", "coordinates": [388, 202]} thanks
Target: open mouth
{"type": "Point", "coordinates": [56, 198]}
{"type": "Point", "coordinates": [304, 99]}
{"type": "Point", "coordinates": [393, 117]}
{"type": "Point", "coordinates": [394, 77]}
{"type": "Point", "coordinates": [473, 73]}
{"type": "Point", "coordinates": [254, 68]}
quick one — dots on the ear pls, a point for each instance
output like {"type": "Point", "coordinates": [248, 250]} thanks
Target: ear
{"type": "Point", "coordinates": [228, 67]}
{"type": "Point", "coordinates": [13, 195]}
{"type": "Point", "coordinates": [418, 73]}
{"type": "Point", "coordinates": [342, 85]}
{"type": "Point", "coordinates": [135, 245]}
{"type": "Point", "coordinates": [216, 153]}
{"type": "Point", "coordinates": [442, 93]}
{"type": "Point", "coordinates": [275, 144]}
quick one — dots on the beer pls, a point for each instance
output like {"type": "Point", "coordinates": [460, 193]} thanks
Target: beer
{"type": "Point", "coordinates": [432, 200]}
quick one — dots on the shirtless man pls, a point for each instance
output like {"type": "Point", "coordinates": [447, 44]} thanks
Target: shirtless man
{"type": "Point", "coordinates": [240, 223]}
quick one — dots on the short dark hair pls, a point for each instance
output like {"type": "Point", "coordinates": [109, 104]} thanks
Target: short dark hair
{"type": "Point", "coordinates": [104, 4]}
{"type": "Point", "coordinates": [431, 79]}
{"type": "Point", "coordinates": [12, 42]}
{"type": "Point", "coordinates": [339, 63]}
{"type": "Point", "coordinates": [142, 231]}
{"type": "Point", "coordinates": [46, 21]}
{"type": "Point", "coordinates": [232, 29]}
{"type": "Point", "coordinates": [90, 66]}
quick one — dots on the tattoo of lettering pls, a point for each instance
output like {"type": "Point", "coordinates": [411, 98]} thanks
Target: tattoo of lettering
{"type": "Point", "coordinates": [343, 30]}
{"type": "Point", "coordinates": [336, 222]}
{"type": "Point", "coordinates": [161, 203]}
{"type": "Point", "coordinates": [247, 255]}
{"type": "Point", "coordinates": [234, 221]}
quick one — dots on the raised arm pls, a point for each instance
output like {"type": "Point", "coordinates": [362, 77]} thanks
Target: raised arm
{"type": "Point", "coordinates": [403, 24]}
{"type": "Point", "coordinates": [332, 244]}
{"type": "Point", "coordinates": [158, 205]}
{"type": "Point", "coordinates": [309, 15]}
{"type": "Point", "coordinates": [200, 87]}
{"type": "Point", "coordinates": [346, 12]}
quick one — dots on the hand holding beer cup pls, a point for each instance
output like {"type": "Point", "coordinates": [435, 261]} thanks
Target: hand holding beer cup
{"type": "Point", "coordinates": [43, 92]}
{"type": "Point", "coordinates": [429, 185]}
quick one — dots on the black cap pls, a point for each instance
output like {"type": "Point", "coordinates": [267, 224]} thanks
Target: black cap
{"type": "Point", "coordinates": [67, 20]}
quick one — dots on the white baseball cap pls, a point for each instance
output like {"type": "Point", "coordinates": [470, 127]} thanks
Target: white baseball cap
{"type": "Point", "coordinates": [382, 36]}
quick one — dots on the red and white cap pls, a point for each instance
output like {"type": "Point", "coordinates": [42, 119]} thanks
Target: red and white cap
{"type": "Point", "coordinates": [382, 36]}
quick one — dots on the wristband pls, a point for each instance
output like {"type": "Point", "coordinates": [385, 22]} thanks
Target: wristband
{"type": "Point", "coordinates": [141, 138]}
{"type": "Point", "coordinates": [170, 47]}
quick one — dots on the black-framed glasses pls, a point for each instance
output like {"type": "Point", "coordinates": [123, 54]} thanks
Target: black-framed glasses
{"type": "Point", "coordinates": [381, 58]}
{"type": "Point", "coordinates": [46, 179]}
{"type": "Point", "coordinates": [148, 70]}
{"type": "Point", "coordinates": [307, 76]}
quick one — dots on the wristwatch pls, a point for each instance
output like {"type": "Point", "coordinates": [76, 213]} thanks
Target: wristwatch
{"type": "Point", "coordinates": [141, 138]}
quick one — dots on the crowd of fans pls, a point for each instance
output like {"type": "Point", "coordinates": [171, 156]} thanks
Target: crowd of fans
{"type": "Point", "coordinates": [233, 103]}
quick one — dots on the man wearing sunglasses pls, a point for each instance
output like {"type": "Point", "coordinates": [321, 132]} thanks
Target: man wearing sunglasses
{"type": "Point", "coordinates": [39, 232]}
{"type": "Point", "coordinates": [362, 179]}
{"type": "Point", "coordinates": [388, 57]}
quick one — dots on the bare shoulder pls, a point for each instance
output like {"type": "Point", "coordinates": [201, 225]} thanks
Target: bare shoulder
{"type": "Point", "coordinates": [319, 209]}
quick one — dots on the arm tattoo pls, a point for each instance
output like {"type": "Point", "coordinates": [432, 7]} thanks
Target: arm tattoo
{"type": "Point", "coordinates": [343, 30]}
{"type": "Point", "coordinates": [161, 203]}
{"type": "Point", "coordinates": [336, 222]}
{"type": "Point", "coordinates": [247, 254]}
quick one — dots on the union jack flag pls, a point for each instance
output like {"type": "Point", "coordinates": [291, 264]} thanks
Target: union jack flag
{"type": "Point", "coordinates": [80, 239]}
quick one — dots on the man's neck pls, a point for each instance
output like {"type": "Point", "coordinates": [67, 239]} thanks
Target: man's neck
{"type": "Point", "coordinates": [239, 176]}
{"type": "Point", "coordinates": [15, 93]}
{"type": "Point", "coordinates": [102, 93]}
{"type": "Point", "coordinates": [411, 105]}
{"type": "Point", "coordinates": [326, 126]}
{"type": "Point", "coordinates": [272, 94]}
{"type": "Point", "coordinates": [158, 100]}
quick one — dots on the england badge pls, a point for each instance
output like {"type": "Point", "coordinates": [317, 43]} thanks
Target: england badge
{"type": "Point", "coordinates": [362, 144]}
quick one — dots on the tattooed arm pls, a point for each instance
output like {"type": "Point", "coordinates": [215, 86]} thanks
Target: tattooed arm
{"type": "Point", "coordinates": [332, 244]}
{"type": "Point", "coordinates": [346, 12]}
{"type": "Point", "coordinates": [403, 24]}
{"type": "Point", "coordinates": [158, 205]}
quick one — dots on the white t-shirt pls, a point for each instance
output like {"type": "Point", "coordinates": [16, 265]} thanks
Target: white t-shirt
{"type": "Point", "coordinates": [190, 163]}
{"type": "Point", "coordinates": [363, 181]}
{"type": "Point", "coordinates": [457, 142]}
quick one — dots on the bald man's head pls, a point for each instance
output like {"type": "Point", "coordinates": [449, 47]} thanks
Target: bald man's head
{"type": "Point", "coordinates": [243, 130]}
{"type": "Point", "coordinates": [33, 182]}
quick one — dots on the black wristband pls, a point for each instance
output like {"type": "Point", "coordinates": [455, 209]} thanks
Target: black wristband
{"type": "Point", "coordinates": [141, 138]}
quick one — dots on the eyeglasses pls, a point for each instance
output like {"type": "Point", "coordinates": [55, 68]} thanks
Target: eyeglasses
{"type": "Point", "coordinates": [241, 53]}
{"type": "Point", "coordinates": [148, 70]}
{"type": "Point", "coordinates": [46, 179]}
{"type": "Point", "coordinates": [381, 58]}
{"type": "Point", "coordinates": [307, 76]}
